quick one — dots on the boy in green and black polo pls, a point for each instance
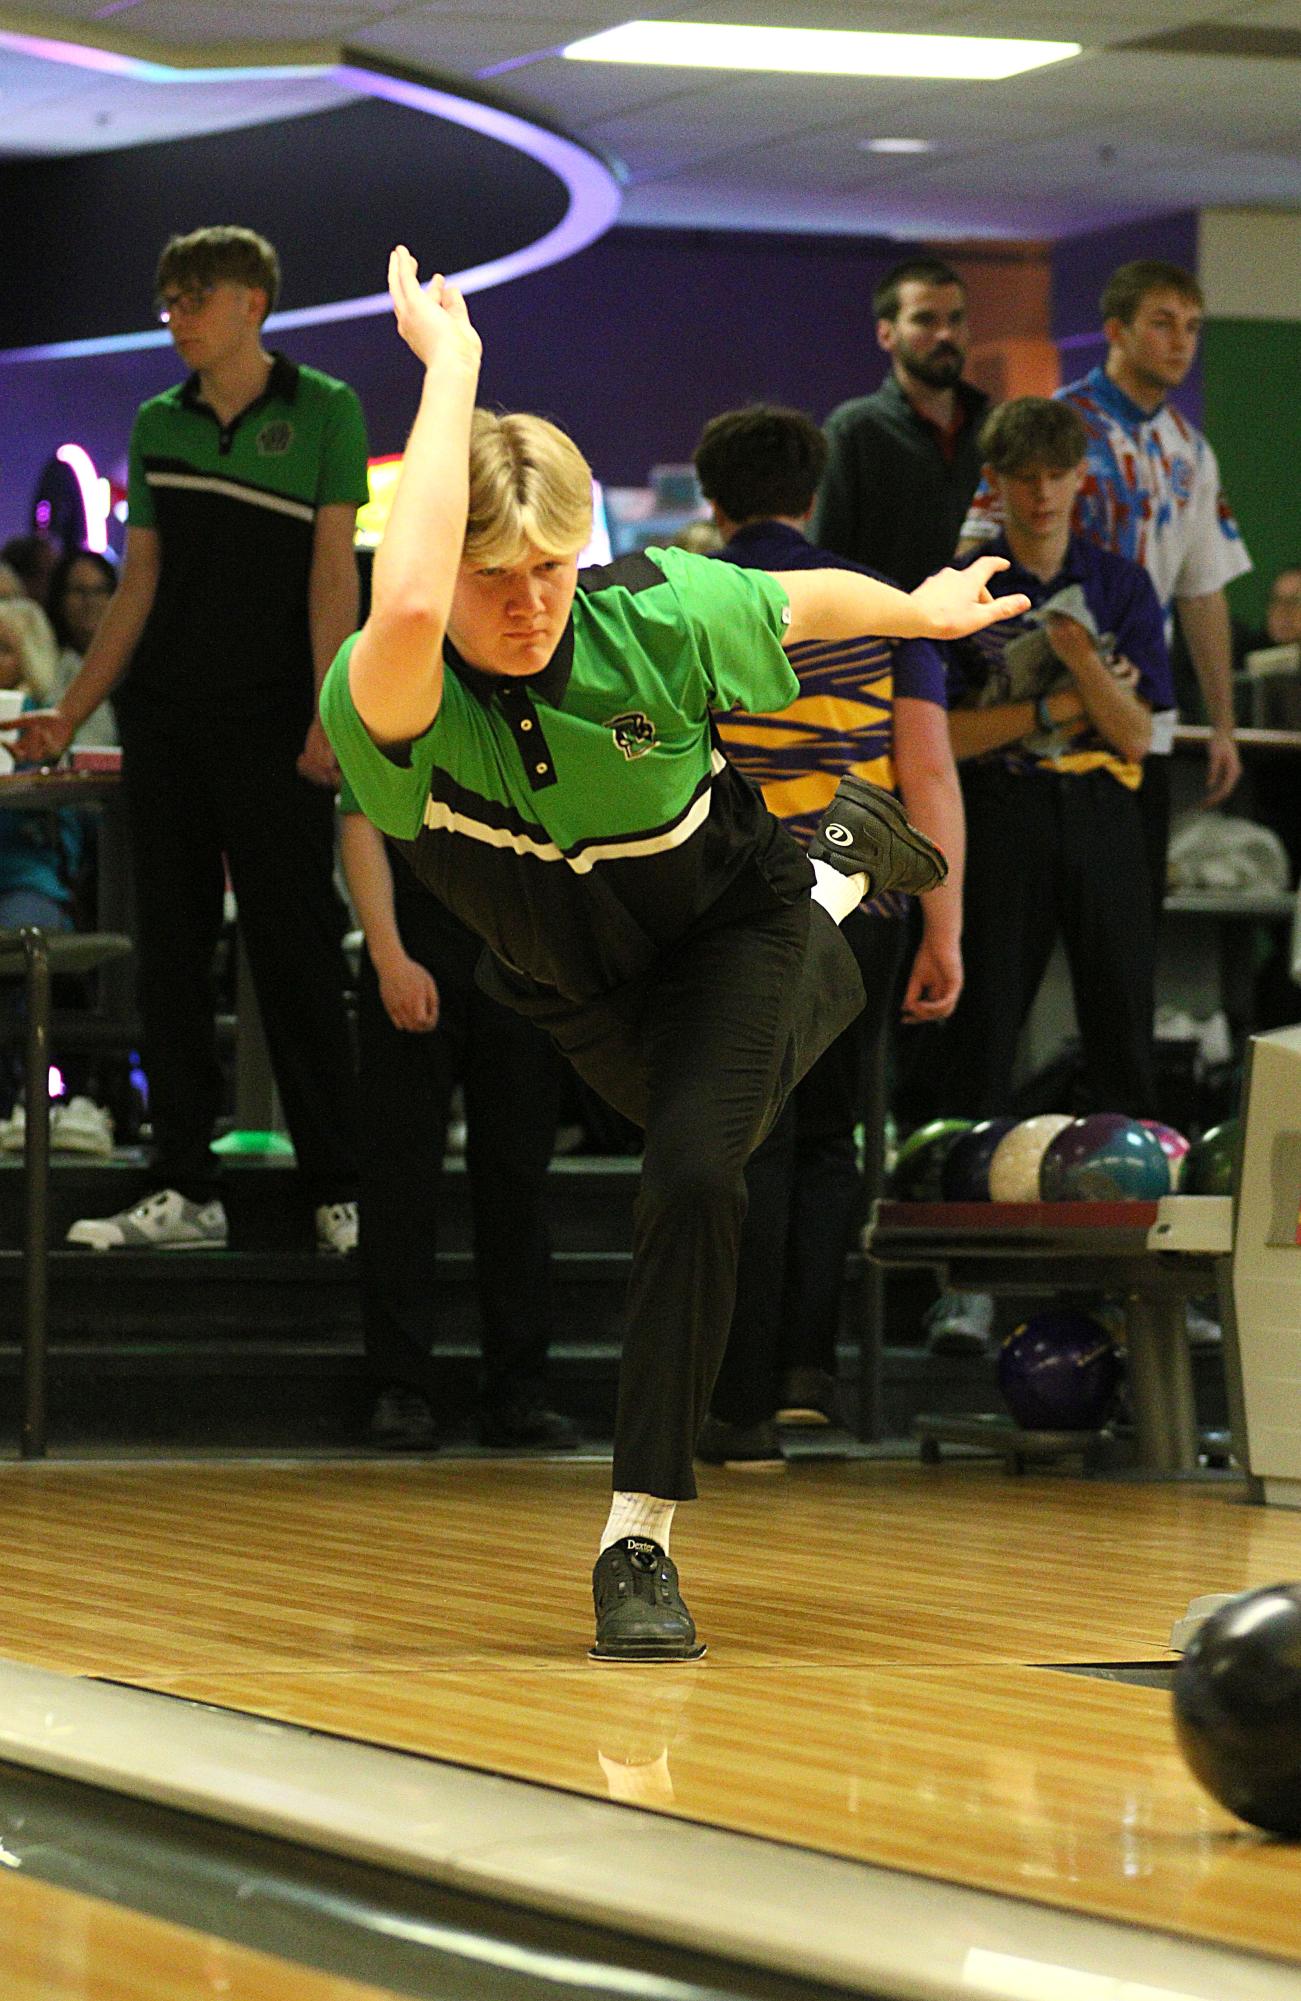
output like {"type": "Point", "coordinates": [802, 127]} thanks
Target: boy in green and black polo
{"type": "Point", "coordinates": [238, 585]}
{"type": "Point", "coordinates": [541, 744]}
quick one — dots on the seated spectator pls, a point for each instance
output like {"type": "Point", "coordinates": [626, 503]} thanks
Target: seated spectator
{"type": "Point", "coordinates": [80, 590]}
{"type": "Point", "coordinates": [1283, 610]}
{"type": "Point", "coordinates": [875, 707]}
{"type": "Point", "coordinates": [1051, 721]}
{"type": "Point", "coordinates": [32, 558]}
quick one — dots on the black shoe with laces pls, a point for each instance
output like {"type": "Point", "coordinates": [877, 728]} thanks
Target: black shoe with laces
{"type": "Point", "coordinates": [521, 1424]}
{"type": "Point", "coordinates": [401, 1421]}
{"type": "Point", "coordinates": [865, 830]}
{"type": "Point", "coordinates": [741, 1448]}
{"type": "Point", "coordinates": [640, 1615]}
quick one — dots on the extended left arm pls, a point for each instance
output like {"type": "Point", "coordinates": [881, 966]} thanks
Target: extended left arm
{"type": "Point", "coordinates": [333, 601]}
{"type": "Point", "coordinates": [928, 784]}
{"type": "Point", "coordinates": [841, 604]}
{"type": "Point", "coordinates": [1205, 624]}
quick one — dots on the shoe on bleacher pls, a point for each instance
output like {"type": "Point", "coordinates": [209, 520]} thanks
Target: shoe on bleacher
{"type": "Point", "coordinates": [959, 1323]}
{"type": "Point", "coordinates": [336, 1227]}
{"type": "Point", "coordinates": [162, 1222]}
{"type": "Point", "coordinates": [866, 831]}
{"type": "Point", "coordinates": [81, 1126]}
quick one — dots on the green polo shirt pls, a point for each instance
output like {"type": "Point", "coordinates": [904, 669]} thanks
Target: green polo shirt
{"type": "Point", "coordinates": [582, 819]}
{"type": "Point", "coordinates": [234, 507]}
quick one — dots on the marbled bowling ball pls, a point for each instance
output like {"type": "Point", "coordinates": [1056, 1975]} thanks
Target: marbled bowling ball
{"type": "Point", "coordinates": [1237, 1707]}
{"type": "Point", "coordinates": [965, 1174]}
{"type": "Point", "coordinates": [1173, 1145]}
{"type": "Point", "coordinates": [1014, 1169]}
{"type": "Point", "coordinates": [1059, 1371]}
{"type": "Point", "coordinates": [1212, 1161]}
{"type": "Point", "coordinates": [1104, 1158]}
{"type": "Point", "coordinates": [915, 1176]}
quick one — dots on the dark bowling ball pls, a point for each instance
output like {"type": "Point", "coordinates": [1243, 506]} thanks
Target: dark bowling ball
{"type": "Point", "coordinates": [964, 1176]}
{"type": "Point", "coordinates": [1237, 1707]}
{"type": "Point", "coordinates": [1059, 1371]}
{"type": "Point", "coordinates": [1212, 1161]}
{"type": "Point", "coordinates": [915, 1176]}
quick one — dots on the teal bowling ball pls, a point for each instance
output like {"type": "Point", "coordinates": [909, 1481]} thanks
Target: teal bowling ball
{"type": "Point", "coordinates": [1104, 1157]}
{"type": "Point", "coordinates": [915, 1176]}
{"type": "Point", "coordinates": [1212, 1161]}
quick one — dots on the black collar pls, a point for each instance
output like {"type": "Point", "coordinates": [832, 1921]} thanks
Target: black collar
{"type": "Point", "coordinates": [282, 384]}
{"type": "Point", "coordinates": [551, 681]}
{"type": "Point", "coordinates": [972, 402]}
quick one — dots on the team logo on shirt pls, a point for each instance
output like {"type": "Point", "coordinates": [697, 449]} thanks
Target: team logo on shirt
{"type": "Point", "coordinates": [634, 733]}
{"type": "Point", "coordinates": [1181, 478]}
{"type": "Point", "coordinates": [274, 439]}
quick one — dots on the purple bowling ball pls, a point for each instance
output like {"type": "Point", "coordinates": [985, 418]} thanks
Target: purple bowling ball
{"type": "Point", "coordinates": [1059, 1372]}
{"type": "Point", "coordinates": [965, 1174]}
{"type": "Point", "coordinates": [1104, 1158]}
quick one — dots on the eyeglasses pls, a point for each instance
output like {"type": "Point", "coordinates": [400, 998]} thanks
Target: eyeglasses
{"type": "Point", "coordinates": [173, 305]}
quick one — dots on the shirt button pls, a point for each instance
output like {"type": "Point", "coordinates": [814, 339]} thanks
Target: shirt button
{"type": "Point", "coordinates": [539, 767]}
{"type": "Point", "coordinates": [526, 724]}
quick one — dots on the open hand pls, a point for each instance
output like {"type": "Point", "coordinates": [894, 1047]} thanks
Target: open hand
{"type": "Point", "coordinates": [39, 737]}
{"type": "Point", "coordinates": [954, 603]}
{"type": "Point", "coordinates": [431, 318]}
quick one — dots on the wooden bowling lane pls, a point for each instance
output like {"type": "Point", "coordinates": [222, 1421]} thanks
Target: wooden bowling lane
{"type": "Point", "coordinates": [868, 1692]}
{"type": "Point", "coordinates": [57, 1945]}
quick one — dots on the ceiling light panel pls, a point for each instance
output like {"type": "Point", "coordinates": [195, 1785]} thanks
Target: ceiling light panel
{"type": "Point", "coordinates": [817, 51]}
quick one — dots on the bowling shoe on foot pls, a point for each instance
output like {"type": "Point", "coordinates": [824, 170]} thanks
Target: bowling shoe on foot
{"type": "Point", "coordinates": [741, 1448]}
{"type": "Point", "coordinates": [866, 831]}
{"type": "Point", "coordinates": [336, 1227]}
{"type": "Point", "coordinates": [809, 1397]}
{"type": "Point", "coordinates": [640, 1615]}
{"type": "Point", "coordinates": [162, 1222]}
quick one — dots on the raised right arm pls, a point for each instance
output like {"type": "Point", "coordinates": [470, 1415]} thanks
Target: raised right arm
{"type": "Point", "coordinates": [396, 670]}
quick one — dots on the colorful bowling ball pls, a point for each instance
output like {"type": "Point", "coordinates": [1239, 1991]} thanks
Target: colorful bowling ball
{"type": "Point", "coordinates": [1059, 1372]}
{"type": "Point", "coordinates": [1104, 1158]}
{"type": "Point", "coordinates": [1237, 1707]}
{"type": "Point", "coordinates": [1173, 1145]}
{"type": "Point", "coordinates": [964, 1176]}
{"type": "Point", "coordinates": [915, 1176]}
{"type": "Point", "coordinates": [1014, 1169]}
{"type": "Point", "coordinates": [1212, 1162]}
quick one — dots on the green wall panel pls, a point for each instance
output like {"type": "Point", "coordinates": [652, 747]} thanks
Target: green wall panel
{"type": "Point", "coordinates": [1252, 388]}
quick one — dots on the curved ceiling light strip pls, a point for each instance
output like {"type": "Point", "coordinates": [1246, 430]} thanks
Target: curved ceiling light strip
{"type": "Point", "coordinates": [592, 185]}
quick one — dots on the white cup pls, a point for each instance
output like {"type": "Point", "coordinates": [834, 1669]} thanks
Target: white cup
{"type": "Point", "coordinates": [11, 706]}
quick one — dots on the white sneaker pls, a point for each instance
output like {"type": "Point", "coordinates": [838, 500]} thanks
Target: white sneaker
{"type": "Point", "coordinates": [959, 1323]}
{"type": "Point", "coordinates": [336, 1227]}
{"type": "Point", "coordinates": [162, 1222]}
{"type": "Point", "coordinates": [81, 1126]}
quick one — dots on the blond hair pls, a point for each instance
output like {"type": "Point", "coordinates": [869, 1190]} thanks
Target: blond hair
{"type": "Point", "coordinates": [530, 487]}
{"type": "Point", "coordinates": [37, 647]}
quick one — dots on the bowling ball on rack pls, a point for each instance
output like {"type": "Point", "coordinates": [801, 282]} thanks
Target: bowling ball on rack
{"type": "Point", "coordinates": [1173, 1145]}
{"type": "Point", "coordinates": [1104, 1157]}
{"type": "Point", "coordinates": [915, 1176]}
{"type": "Point", "coordinates": [1237, 1707]}
{"type": "Point", "coordinates": [964, 1176]}
{"type": "Point", "coordinates": [1014, 1168]}
{"type": "Point", "coordinates": [1059, 1371]}
{"type": "Point", "coordinates": [1212, 1161]}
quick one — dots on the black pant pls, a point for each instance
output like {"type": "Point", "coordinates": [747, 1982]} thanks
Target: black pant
{"type": "Point", "coordinates": [1053, 855]}
{"type": "Point", "coordinates": [201, 801]}
{"type": "Point", "coordinates": [511, 1078]}
{"type": "Point", "coordinates": [1154, 811]}
{"type": "Point", "coordinates": [702, 1052]}
{"type": "Point", "coordinates": [805, 1196]}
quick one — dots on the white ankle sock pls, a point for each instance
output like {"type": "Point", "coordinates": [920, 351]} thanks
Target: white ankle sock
{"type": "Point", "coordinates": [639, 1514]}
{"type": "Point", "coordinates": [838, 894]}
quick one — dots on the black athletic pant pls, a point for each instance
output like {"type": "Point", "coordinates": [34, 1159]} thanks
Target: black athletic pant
{"type": "Point", "coordinates": [805, 1197]}
{"type": "Point", "coordinates": [1053, 855]}
{"type": "Point", "coordinates": [701, 1051]}
{"type": "Point", "coordinates": [1154, 811]}
{"type": "Point", "coordinates": [203, 799]}
{"type": "Point", "coordinates": [510, 1077]}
